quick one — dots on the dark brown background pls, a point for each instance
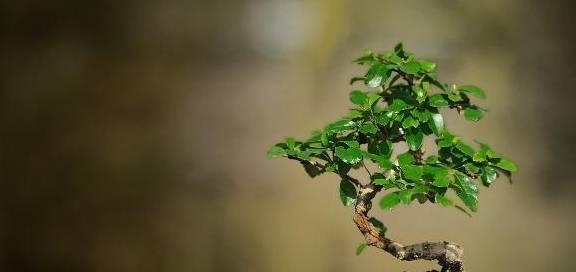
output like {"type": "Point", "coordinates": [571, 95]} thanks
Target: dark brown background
{"type": "Point", "coordinates": [133, 133]}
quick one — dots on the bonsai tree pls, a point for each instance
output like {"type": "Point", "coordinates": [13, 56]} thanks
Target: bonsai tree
{"type": "Point", "coordinates": [403, 106]}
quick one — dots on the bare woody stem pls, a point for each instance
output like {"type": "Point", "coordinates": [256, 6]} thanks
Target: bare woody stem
{"type": "Point", "coordinates": [448, 255]}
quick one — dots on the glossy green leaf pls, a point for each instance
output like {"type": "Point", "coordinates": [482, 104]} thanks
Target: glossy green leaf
{"type": "Point", "coordinates": [378, 225]}
{"type": "Point", "coordinates": [381, 148]}
{"type": "Point", "coordinates": [352, 143]}
{"type": "Point", "coordinates": [291, 143]}
{"type": "Point", "coordinates": [432, 159]}
{"type": "Point", "coordinates": [384, 182]}
{"type": "Point", "coordinates": [441, 178]}
{"type": "Point", "coordinates": [347, 193]}
{"type": "Point", "coordinates": [420, 93]}
{"type": "Point", "coordinates": [409, 122]}
{"type": "Point", "coordinates": [438, 101]}
{"type": "Point", "coordinates": [466, 149]}
{"type": "Point", "coordinates": [414, 139]}
{"type": "Point", "coordinates": [351, 155]}
{"type": "Point", "coordinates": [507, 165]}
{"type": "Point", "coordinates": [311, 169]}
{"type": "Point", "coordinates": [427, 66]}
{"type": "Point", "coordinates": [398, 105]}
{"type": "Point", "coordinates": [488, 175]}
{"type": "Point", "coordinates": [389, 201]}
{"type": "Point", "coordinates": [454, 97]}
{"type": "Point", "coordinates": [437, 124]}
{"type": "Point", "coordinates": [473, 90]}
{"type": "Point", "coordinates": [473, 114]}
{"type": "Point", "coordinates": [405, 159]}
{"type": "Point", "coordinates": [412, 172]}
{"type": "Point", "coordinates": [382, 161]}
{"type": "Point", "coordinates": [276, 151]}
{"type": "Point", "coordinates": [405, 196]}
{"type": "Point", "coordinates": [341, 125]}
{"type": "Point", "coordinates": [411, 67]}
{"type": "Point", "coordinates": [421, 114]}
{"type": "Point", "coordinates": [447, 141]}
{"type": "Point", "coordinates": [358, 97]}
{"type": "Point", "coordinates": [467, 191]}
{"type": "Point", "coordinates": [360, 248]}
{"type": "Point", "coordinates": [324, 139]}
{"type": "Point", "coordinates": [383, 119]}
{"type": "Point", "coordinates": [368, 128]}
{"type": "Point", "coordinates": [376, 75]}
{"type": "Point", "coordinates": [442, 200]}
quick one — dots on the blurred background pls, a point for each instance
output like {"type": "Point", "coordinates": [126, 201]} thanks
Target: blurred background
{"type": "Point", "coordinates": [133, 133]}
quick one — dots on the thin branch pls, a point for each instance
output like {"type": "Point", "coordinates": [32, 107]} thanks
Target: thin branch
{"type": "Point", "coordinates": [448, 255]}
{"type": "Point", "coordinates": [366, 168]}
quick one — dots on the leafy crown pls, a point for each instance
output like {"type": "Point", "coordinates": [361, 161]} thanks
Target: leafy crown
{"type": "Point", "coordinates": [403, 106]}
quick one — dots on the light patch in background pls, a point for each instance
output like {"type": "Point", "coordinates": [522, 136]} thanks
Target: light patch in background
{"type": "Point", "coordinates": [280, 28]}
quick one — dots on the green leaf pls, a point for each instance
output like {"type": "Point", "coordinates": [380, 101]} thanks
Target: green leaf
{"type": "Point", "coordinates": [488, 175]}
{"type": "Point", "coordinates": [398, 105]}
{"type": "Point", "coordinates": [291, 143]}
{"type": "Point", "coordinates": [437, 124]}
{"type": "Point", "coordinates": [473, 90]}
{"type": "Point", "coordinates": [383, 119]}
{"type": "Point", "coordinates": [352, 143]}
{"type": "Point", "coordinates": [405, 159]}
{"type": "Point", "coordinates": [432, 159]}
{"type": "Point", "coordinates": [398, 48]}
{"type": "Point", "coordinates": [472, 114]}
{"type": "Point", "coordinates": [360, 248]}
{"type": "Point", "coordinates": [339, 126]}
{"type": "Point", "coordinates": [389, 201]}
{"type": "Point", "coordinates": [405, 196]}
{"type": "Point", "coordinates": [381, 148]}
{"type": "Point", "coordinates": [507, 165]}
{"type": "Point", "coordinates": [376, 75]}
{"type": "Point", "coordinates": [427, 66]}
{"type": "Point", "coordinates": [368, 128]}
{"type": "Point", "coordinates": [467, 191]}
{"type": "Point", "coordinates": [411, 172]}
{"type": "Point", "coordinates": [421, 114]}
{"type": "Point", "coordinates": [438, 101]}
{"type": "Point", "coordinates": [351, 155]}
{"type": "Point", "coordinates": [386, 183]}
{"type": "Point", "coordinates": [442, 200]}
{"type": "Point", "coordinates": [311, 169]}
{"type": "Point", "coordinates": [411, 67]}
{"type": "Point", "coordinates": [358, 97]}
{"type": "Point", "coordinates": [441, 178]}
{"type": "Point", "coordinates": [414, 139]}
{"type": "Point", "coordinates": [382, 161]}
{"type": "Point", "coordinates": [472, 168]}
{"type": "Point", "coordinates": [466, 149]}
{"type": "Point", "coordinates": [347, 193]}
{"type": "Point", "coordinates": [378, 225]}
{"type": "Point", "coordinates": [409, 121]}
{"type": "Point", "coordinates": [420, 93]}
{"type": "Point", "coordinates": [276, 151]}
{"type": "Point", "coordinates": [324, 139]}
{"type": "Point", "coordinates": [454, 97]}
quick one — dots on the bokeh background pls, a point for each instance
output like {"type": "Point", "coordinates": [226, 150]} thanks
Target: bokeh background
{"type": "Point", "coordinates": [133, 133]}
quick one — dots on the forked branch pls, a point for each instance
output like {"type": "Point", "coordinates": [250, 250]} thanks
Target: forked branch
{"type": "Point", "coordinates": [448, 255]}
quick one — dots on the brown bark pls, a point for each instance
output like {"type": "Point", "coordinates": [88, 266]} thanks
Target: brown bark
{"type": "Point", "coordinates": [448, 255]}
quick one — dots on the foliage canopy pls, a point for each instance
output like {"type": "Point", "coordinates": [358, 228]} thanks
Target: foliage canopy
{"type": "Point", "coordinates": [403, 106]}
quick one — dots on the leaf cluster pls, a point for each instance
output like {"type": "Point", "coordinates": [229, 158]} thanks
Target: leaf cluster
{"type": "Point", "coordinates": [402, 106]}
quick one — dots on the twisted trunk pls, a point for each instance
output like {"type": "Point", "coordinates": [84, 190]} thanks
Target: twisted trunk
{"type": "Point", "coordinates": [448, 255]}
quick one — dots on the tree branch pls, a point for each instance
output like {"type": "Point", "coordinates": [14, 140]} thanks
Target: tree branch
{"type": "Point", "coordinates": [448, 255]}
